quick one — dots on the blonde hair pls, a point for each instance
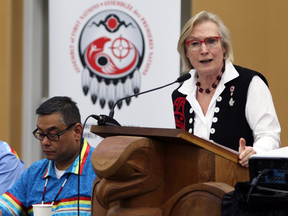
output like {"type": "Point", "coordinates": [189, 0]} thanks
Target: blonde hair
{"type": "Point", "coordinates": [201, 17]}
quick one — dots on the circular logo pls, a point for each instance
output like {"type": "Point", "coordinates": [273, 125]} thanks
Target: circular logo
{"type": "Point", "coordinates": [111, 48]}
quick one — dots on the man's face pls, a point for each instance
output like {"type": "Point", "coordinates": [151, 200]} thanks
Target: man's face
{"type": "Point", "coordinates": [64, 151]}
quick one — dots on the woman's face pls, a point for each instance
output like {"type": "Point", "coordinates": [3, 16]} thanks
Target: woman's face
{"type": "Point", "coordinates": [206, 61]}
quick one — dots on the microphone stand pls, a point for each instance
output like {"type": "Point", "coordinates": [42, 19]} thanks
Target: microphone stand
{"type": "Point", "coordinates": [79, 158]}
{"type": "Point", "coordinates": [180, 79]}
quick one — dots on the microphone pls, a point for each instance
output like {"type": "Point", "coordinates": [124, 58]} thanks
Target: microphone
{"type": "Point", "coordinates": [105, 120]}
{"type": "Point", "coordinates": [180, 79]}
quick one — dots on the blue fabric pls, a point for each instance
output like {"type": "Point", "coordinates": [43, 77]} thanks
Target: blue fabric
{"type": "Point", "coordinates": [11, 167]}
{"type": "Point", "coordinates": [29, 189]}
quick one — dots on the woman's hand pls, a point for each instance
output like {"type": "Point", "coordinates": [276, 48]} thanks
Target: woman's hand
{"type": "Point", "coordinates": [245, 153]}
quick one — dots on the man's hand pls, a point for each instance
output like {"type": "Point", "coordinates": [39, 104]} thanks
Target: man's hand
{"type": "Point", "coordinates": [245, 153]}
{"type": "Point", "coordinates": [0, 213]}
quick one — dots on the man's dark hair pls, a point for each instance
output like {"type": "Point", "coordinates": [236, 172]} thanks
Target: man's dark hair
{"type": "Point", "coordinates": [69, 111]}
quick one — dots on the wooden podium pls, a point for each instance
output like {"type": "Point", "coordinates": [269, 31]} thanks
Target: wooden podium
{"type": "Point", "coordinates": [151, 171]}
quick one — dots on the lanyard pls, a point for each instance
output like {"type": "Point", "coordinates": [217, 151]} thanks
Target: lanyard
{"type": "Point", "coordinates": [58, 191]}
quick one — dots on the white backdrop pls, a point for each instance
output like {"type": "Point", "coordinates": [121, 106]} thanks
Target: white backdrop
{"type": "Point", "coordinates": [159, 22]}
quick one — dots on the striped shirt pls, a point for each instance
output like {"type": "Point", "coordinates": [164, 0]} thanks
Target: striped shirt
{"type": "Point", "coordinates": [29, 188]}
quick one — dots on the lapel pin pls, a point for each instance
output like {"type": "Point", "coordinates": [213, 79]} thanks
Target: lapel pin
{"type": "Point", "coordinates": [231, 102]}
{"type": "Point", "coordinates": [232, 88]}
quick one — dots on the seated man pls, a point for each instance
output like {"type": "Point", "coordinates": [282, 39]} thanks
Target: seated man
{"type": "Point", "coordinates": [54, 180]}
{"type": "Point", "coordinates": [11, 167]}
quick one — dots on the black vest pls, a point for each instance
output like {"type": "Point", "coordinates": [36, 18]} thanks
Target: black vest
{"type": "Point", "coordinates": [229, 121]}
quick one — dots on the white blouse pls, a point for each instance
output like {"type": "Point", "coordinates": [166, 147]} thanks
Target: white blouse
{"type": "Point", "coordinates": [260, 111]}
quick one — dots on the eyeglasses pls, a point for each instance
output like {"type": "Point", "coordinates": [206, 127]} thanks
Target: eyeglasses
{"type": "Point", "coordinates": [196, 44]}
{"type": "Point", "coordinates": [50, 136]}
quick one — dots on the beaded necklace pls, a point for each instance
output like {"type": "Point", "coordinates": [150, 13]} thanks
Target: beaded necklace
{"type": "Point", "coordinates": [214, 85]}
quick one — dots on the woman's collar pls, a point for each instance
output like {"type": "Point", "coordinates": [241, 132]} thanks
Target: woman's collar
{"type": "Point", "coordinates": [230, 72]}
{"type": "Point", "coordinates": [189, 85]}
